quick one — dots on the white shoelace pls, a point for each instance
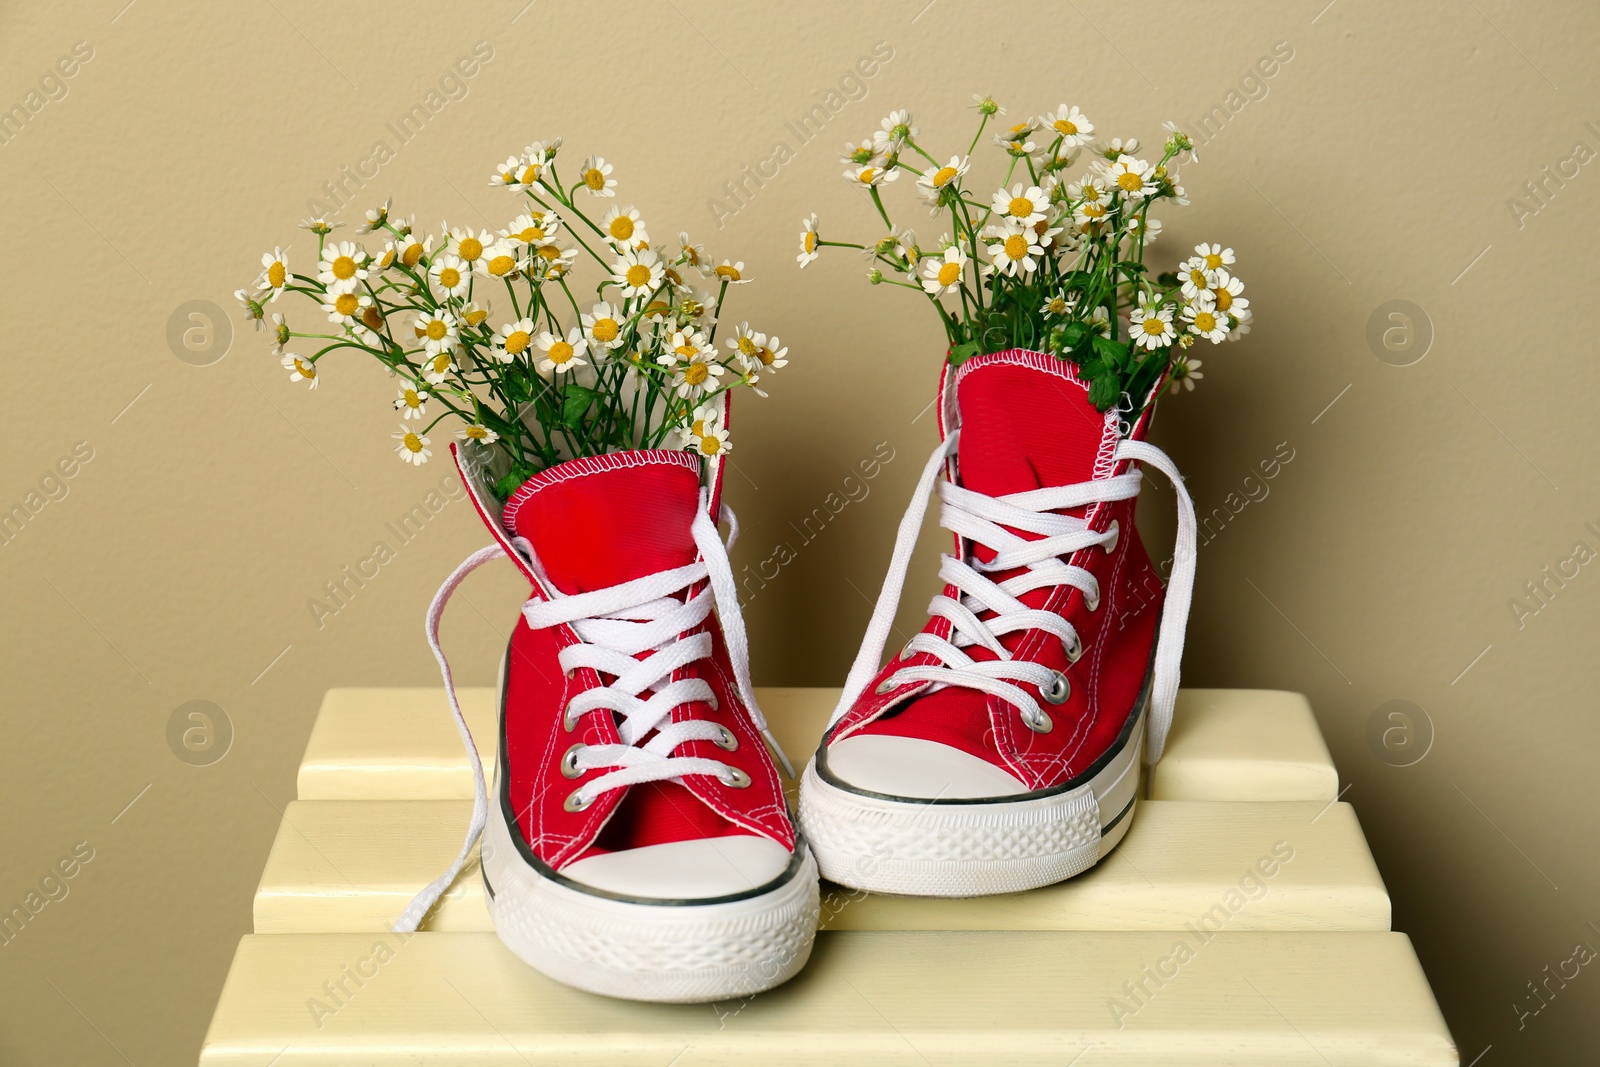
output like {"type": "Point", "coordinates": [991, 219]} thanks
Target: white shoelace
{"type": "Point", "coordinates": [981, 519]}
{"type": "Point", "coordinates": [614, 625]}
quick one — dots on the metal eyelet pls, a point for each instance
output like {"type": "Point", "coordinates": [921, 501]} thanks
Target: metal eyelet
{"type": "Point", "coordinates": [906, 653]}
{"type": "Point", "coordinates": [735, 778]}
{"type": "Point", "coordinates": [727, 742]}
{"type": "Point", "coordinates": [886, 687]}
{"type": "Point", "coordinates": [1075, 650]}
{"type": "Point", "coordinates": [1116, 536]}
{"type": "Point", "coordinates": [569, 760]}
{"type": "Point", "coordinates": [711, 702]}
{"type": "Point", "coordinates": [1041, 725]}
{"type": "Point", "coordinates": [1057, 690]}
{"type": "Point", "coordinates": [568, 722]}
{"type": "Point", "coordinates": [576, 801]}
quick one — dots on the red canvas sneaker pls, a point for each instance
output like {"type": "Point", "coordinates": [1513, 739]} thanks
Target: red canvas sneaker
{"type": "Point", "coordinates": [999, 750]}
{"type": "Point", "coordinates": [637, 842]}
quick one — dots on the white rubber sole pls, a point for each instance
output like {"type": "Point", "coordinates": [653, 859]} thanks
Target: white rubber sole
{"type": "Point", "coordinates": [667, 951]}
{"type": "Point", "coordinates": [974, 847]}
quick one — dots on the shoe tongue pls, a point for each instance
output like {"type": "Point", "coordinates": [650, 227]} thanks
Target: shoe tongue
{"type": "Point", "coordinates": [1026, 423]}
{"type": "Point", "coordinates": [603, 520]}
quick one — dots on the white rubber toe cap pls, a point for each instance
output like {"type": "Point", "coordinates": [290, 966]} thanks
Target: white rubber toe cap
{"type": "Point", "coordinates": [913, 767]}
{"type": "Point", "coordinates": [702, 869]}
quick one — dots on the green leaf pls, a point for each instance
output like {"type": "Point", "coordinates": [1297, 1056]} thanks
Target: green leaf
{"type": "Point", "coordinates": [1104, 391]}
{"type": "Point", "coordinates": [1114, 353]}
{"type": "Point", "coordinates": [1072, 334]}
{"type": "Point", "coordinates": [575, 403]}
{"type": "Point", "coordinates": [510, 482]}
{"type": "Point", "coordinates": [962, 352]}
{"type": "Point", "coordinates": [1130, 269]}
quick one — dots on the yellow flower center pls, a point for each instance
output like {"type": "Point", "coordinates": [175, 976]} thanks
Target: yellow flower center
{"type": "Point", "coordinates": [412, 442]}
{"type": "Point", "coordinates": [410, 256]}
{"type": "Point", "coordinates": [949, 274]}
{"type": "Point", "coordinates": [449, 277]}
{"type": "Point", "coordinates": [1129, 182]}
{"type": "Point", "coordinates": [477, 433]}
{"type": "Point", "coordinates": [346, 303]}
{"type": "Point", "coordinates": [548, 253]}
{"type": "Point", "coordinates": [1206, 321]}
{"type": "Point", "coordinates": [621, 228]}
{"type": "Point", "coordinates": [942, 176]}
{"type": "Point", "coordinates": [531, 234]}
{"type": "Point", "coordinates": [1058, 306]}
{"type": "Point", "coordinates": [808, 242]}
{"type": "Point", "coordinates": [710, 445]}
{"type": "Point", "coordinates": [517, 342]}
{"type": "Point", "coordinates": [277, 274]}
{"type": "Point", "coordinates": [1065, 128]}
{"type": "Point", "coordinates": [1021, 207]}
{"type": "Point", "coordinates": [748, 346]}
{"type": "Point", "coordinates": [1153, 326]}
{"type": "Point", "coordinates": [560, 352]}
{"type": "Point", "coordinates": [687, 351]}
{"type": "Point", "coordinates": [440, 363]}
{"type": "Point", "coordinates": [594, 179]}
{"type": "Point", "coordinates": [343, 268]}
{"type": "Point", "coordinates": [412, 399]}
{"type": "Point", "coordinates": [606, 330]}
{"type": "Point", "coordinates": [372, 318]}
{"type": "Point", "coordinates": [500, 266]}
{"type": "Point", "coordinates": [469, 249]}
{"type": "Point", "coordinates": [1094, 211]}
{"type": "Point", "coordinates": [696, 373]}
{"type": "Point", "coordinates": [1213, 261]}
{"type": "Point", "coordinates": [436, 329]}
{"type": "Point", "coordinates": [305, 369]}
{"type": "Point", "coordinates": [1224, 299]}
{"type": "Point", "coordinates": [472, 318]}
{"type": "Point", "coordinates": [388, 258]}
{"type": "Point", "coordinates": [728, 272]}
{"type": "Point", "coordinates": [638, 276]}
{"type": "Point", "coordinates": [1198, 277]}
{"type": "Point", "coordinates": [867, 174]}
{"type": "Point", "coordinates": [530, 174]}
{"type": "Point", "coordinates": [1092, 193]}
{"type": "Point", "coordinates": [1016, 246]}
{"type": "Point", "coordinates": [765, 355]}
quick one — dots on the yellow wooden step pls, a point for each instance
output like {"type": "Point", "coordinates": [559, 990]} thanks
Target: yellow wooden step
{"type": "Point", "coordinates": [349, 865]}
{"type": "Point", "coordinates": [401, 744]}
{"type": "Point", "coordinates": [1156, 998]}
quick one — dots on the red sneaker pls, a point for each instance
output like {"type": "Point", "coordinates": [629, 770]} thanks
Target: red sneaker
{"type": "Point", "coordinates": [638, 843]}
{"type": "Point", "coordinates": [999, 751]}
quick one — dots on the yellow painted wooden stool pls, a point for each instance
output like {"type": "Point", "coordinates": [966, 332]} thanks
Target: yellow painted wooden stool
{"type": "Point", "coordinates": [1242, 921]}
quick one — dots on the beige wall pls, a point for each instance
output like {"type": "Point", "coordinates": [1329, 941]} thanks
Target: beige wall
{"type": "Point", "coordinates": [1379, 566]}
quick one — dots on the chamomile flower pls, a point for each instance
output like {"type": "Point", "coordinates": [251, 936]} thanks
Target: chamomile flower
{"type": "Point", "coordinates": [696, 374]}
{"type": "Point", "coordinates": [551, 261]}
{"type": "Point", "coordinates": [280, 333]}
{"type": "Point", "coordinates": [986, 105]}
{"type": "Point", "coordinates": [471, 314]}
{"type": "Point", "coordinates": [603, 327]}
{"type": "Point", "coordinates": [1013, 250]}
{"type": "Point", "coordinates": [1203, 320]}
{"type": "Point", "coordinates": [1024, 204]}
{"type": "Point", "coordinates": [1151, 327]}
{"type": "Point", "coordinates": [1059, 306]}
{"type": "Point", "coordinates": [730, 273]}
{"type": "Point", "coordinates": [411, 249]}
{"type": "Point", "coordinates": [1133, 178]}
{"type": "Point", "coordinates": [1196, 276]}
{"type": "Point", "coordinates": [871, 175]}
{"type": "Point", "coordinates": [386, 258]}
{"type": "Point", "coordinates": [511, 341]}
{"type": "Point", "coordinates": [691, 254]}
{"type": "Point", "coordinates": [500, 260]}
{"type": "Point", "coordinates": [300, 370]}
{"type": "Point", "coordinates": [895, 132]}
{"type": "Point", "coordinates": [477, 432]}
{"type": "Point", "coordinates": [639, 273]}
{"type": "Point", "coordinates": [1118, 146]}
{"type": "Point", "coordinates": [274, 273]}
{"type": "Point", "coordinates": [1070, 124]}
{"type": "Point", "coordinates": [713, 442]}
{"type": "Point", "coordinates": [809, 248]}
{"type": "Point", "coordinates": [1015, 140]}
{"type": "Point", "coordinates": [343, 266]}
{"type": "Point", "coordinates": [1091, 213]}
{"type": "Point", "coordinates": [254, 310]}
{"type": "Point", "coordinates": [376, 217]}
{"type": "Point", "coordinates": [624, 229]}
{"type": "Point", "coordinates": [562, 355]}
{"type": "Point", "coordinates": [859, 155]}
{"type": "Point", "coordinates": [937, 184]}
{"type": "Point", "coordinates": [346, 307]}
{"type": "Point", "coordinates": [468, 243]}
{"type": "Point", "coordinates": [1144, 226]}
{"type": "Point", "coordinates": [452, 274]}
{"type": "Point", "coordinates": [534, 228]}
{"type": "Point", "coordinates": [411, 447]}
{"type": "Point", "coordinates": [1185, 372]}
{"type": "Point", "coordinates": [508, 175]}
{"type": "Point", "coordinates": [412, 403]}
{"type": "Point", "coordinates": [1215, 256]}
{"type": "Point", "coordinates": [746, 344]}
{"type": "Point", "coordinates": [945, 274]}
{"type": "Point", "coordinates": [438, 367]}
{"type": "Point", "coordinates": [437, 331]}
{"type": "Point", "coordinates": [596, 177]}
{"type": "Point", "coordinates": [699, 306]}
{"type": "Point", "coordinates": [320, 225]}
{"type": "Point", "coordinates": [1227, 292]}
{"type": "Point", "coordinates": [1181, 141]}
